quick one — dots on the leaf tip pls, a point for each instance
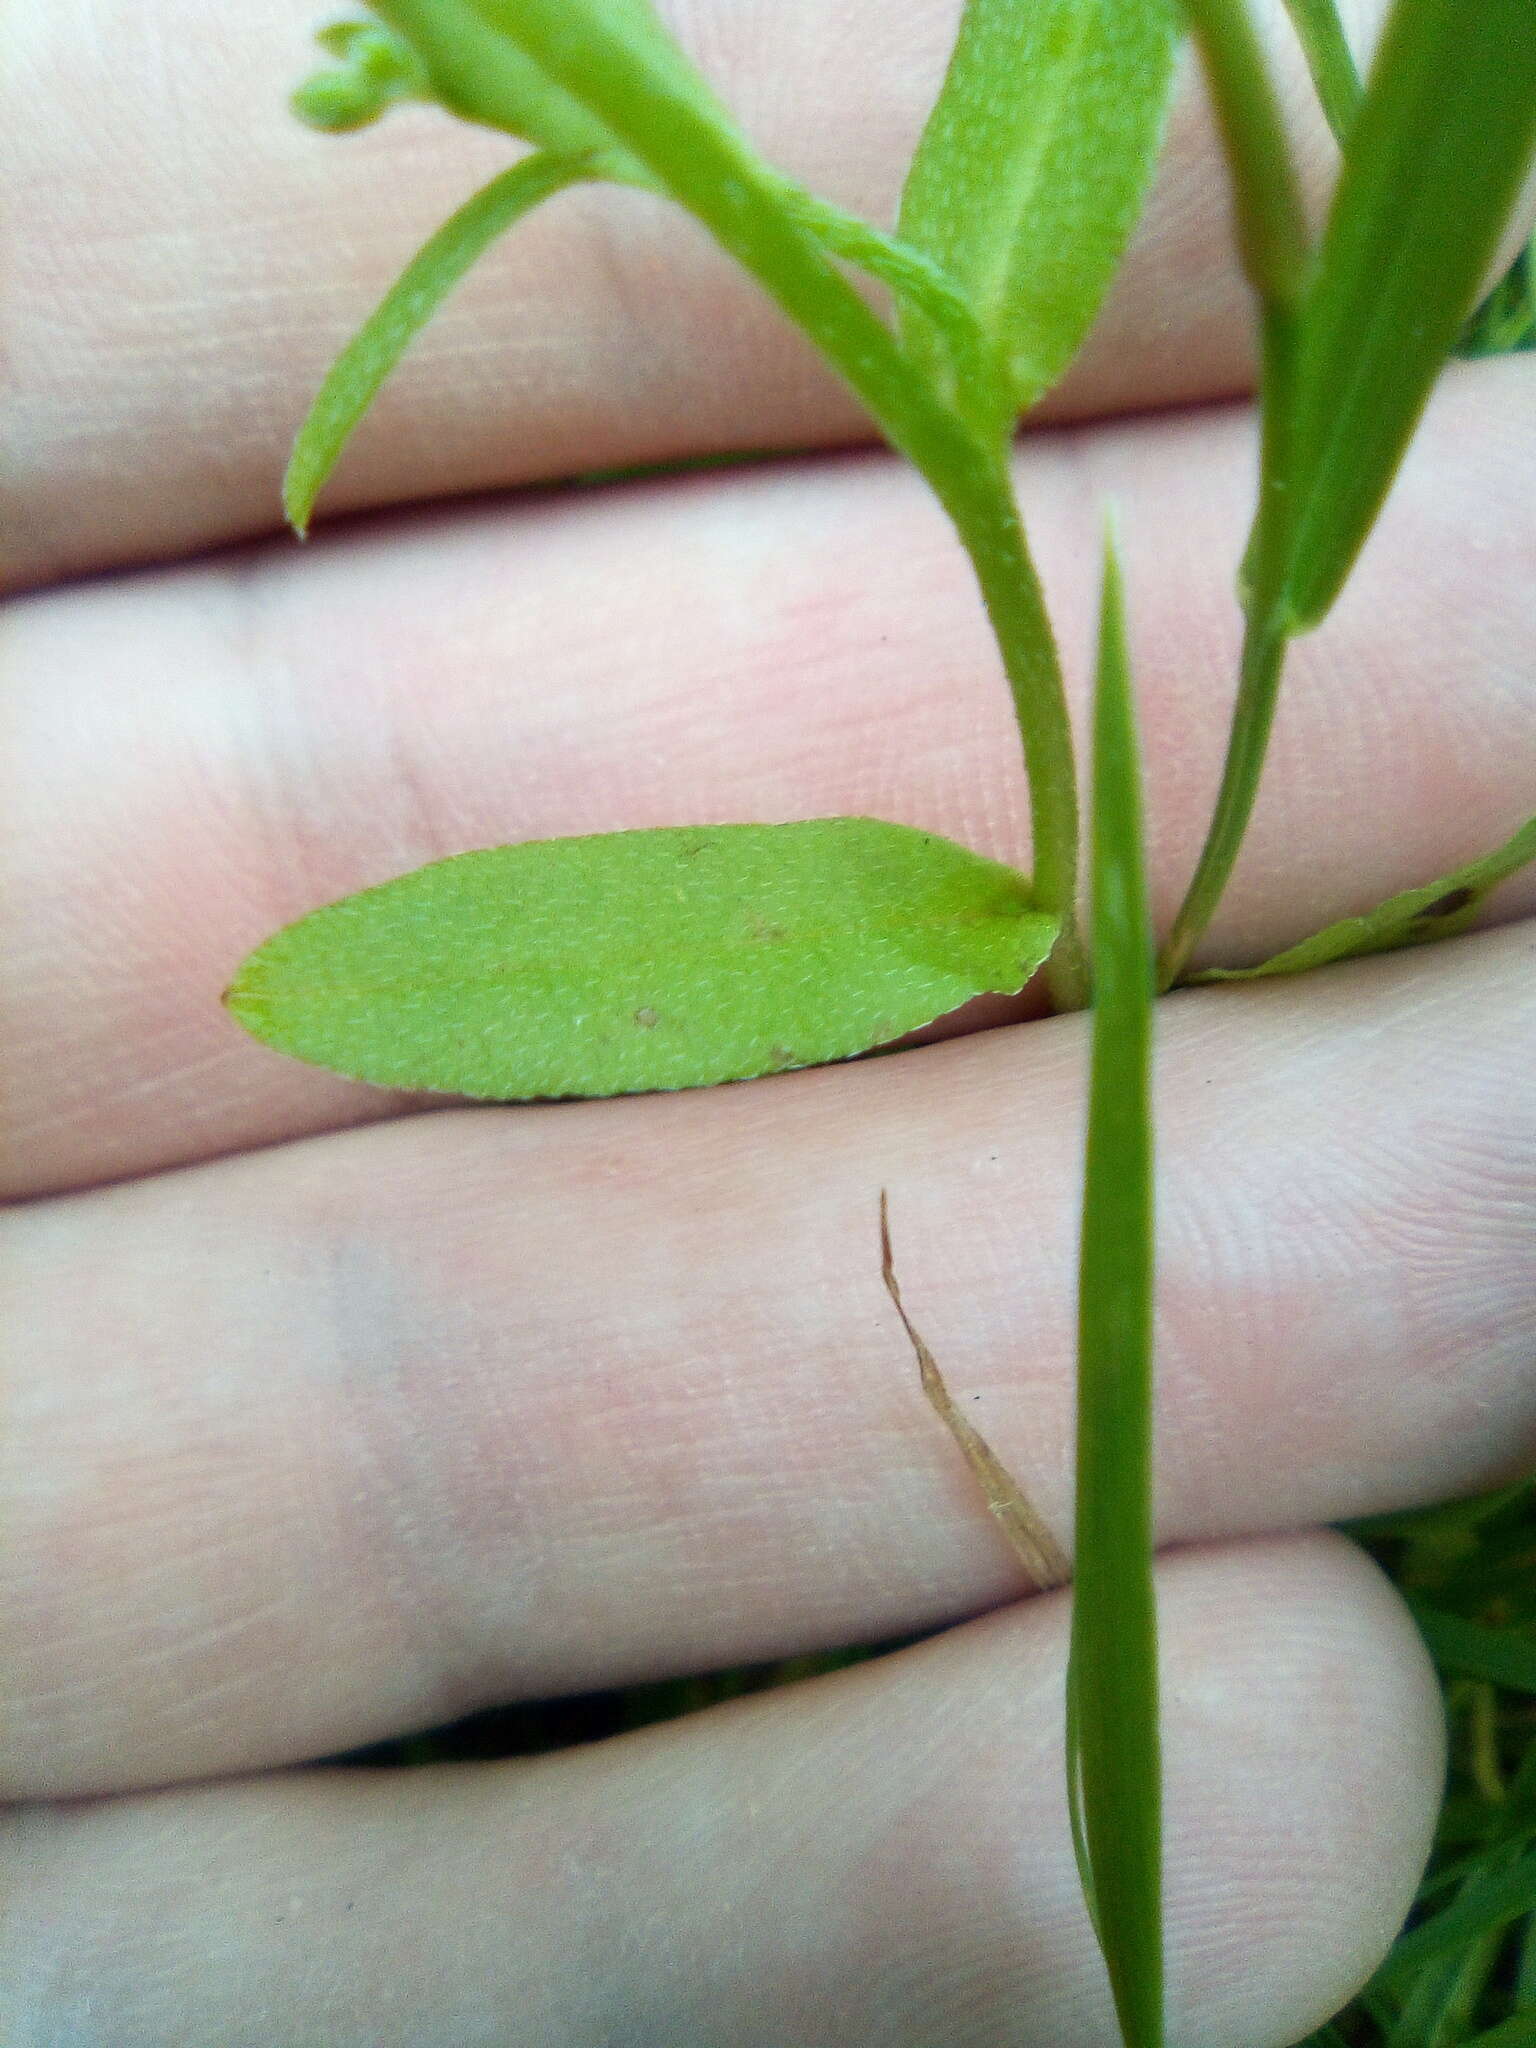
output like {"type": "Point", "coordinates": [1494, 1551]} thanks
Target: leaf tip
{"type": "Point", "coordinates": [298, 504]}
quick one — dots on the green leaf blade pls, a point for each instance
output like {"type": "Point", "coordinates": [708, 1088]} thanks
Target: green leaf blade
{"type": "Point", "coordinates": [1033, 167]}
{"type": "Point", "coordinates": [1114, 1753]}
{"type": "Point", "coordinates": [1470, 1650]}
{"type": "Point", "coordinates": [354, 379]}
{"type": "Point", "coordinates": [1436, 157]}
{"type": "Point", "coordinates": [630, 961]}
{"type": "Point", "coordinates": [1500, 1897]}
{"type": "Point", "coordinates": [1414, 917]}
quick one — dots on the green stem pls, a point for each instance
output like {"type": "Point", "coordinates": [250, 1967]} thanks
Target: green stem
{"type": "Point", "coordinates": [1266, 194]}
{"type": "Point", "coordinates": [974, 372]}
{"type": "Point", "coordinates": [1264, 646]}
{"type": "Point", "coordinates": [1266, 635]}
{"type": "Point", "coordinates": [987, 519]}
{"type": "Point", "coordinates": [663, 116]}
{"type": "Point", "coordinates": [1331, 62]}
{"type": "Point", "coordinates": [1272, 241]}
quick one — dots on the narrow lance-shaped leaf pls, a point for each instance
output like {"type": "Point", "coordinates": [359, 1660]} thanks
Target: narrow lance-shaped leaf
{"type": "Point", "coordinates": [1435, 161]}
{"type": "Point", "coordinates": [1504, 1897]}
{"type": "Point", "coordinates": [1034, 164]}
{"type": "Point", "coordinates": [353, 380]}
{"type": "Point", "coordinates": [1114, 1755]}
{"type": "Point", "coordinates": [1434, 910]}
{"type": "Point", "coordinates": [625, 961]}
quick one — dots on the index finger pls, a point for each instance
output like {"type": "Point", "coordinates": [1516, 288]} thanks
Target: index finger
{"type": "Point", "coordinates": [183, 260]}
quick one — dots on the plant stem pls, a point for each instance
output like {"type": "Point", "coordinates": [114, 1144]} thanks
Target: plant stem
{"type": "Point", "coordinates": [987, 519]}
{"type": "Point", "coordinates": [1266, 635]}
{"type": "Point", "coordinates": [1272, 242]}
{"type": "Point", "coordinates": [1330, 61]}
{"type": "Point", "coordinates": [664, 117]}
{"type": "Point", "coordinates": [1264, 646]}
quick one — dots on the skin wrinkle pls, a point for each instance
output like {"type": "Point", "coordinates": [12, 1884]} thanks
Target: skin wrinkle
{"type": "Point", "coordinates": [551, 1451]}
{"type": "Point", "coordinates": [300, 1894]}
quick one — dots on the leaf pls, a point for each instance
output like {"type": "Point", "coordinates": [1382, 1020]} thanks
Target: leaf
{"type": "Point", "coordinates": [1502, 1655]}
{"type": "Point", "coordinates": [354, 379]}
{"type": "Point", "coordinates": [474, 73]}
{"type": "Point", "coordinates": [1029, 1536]}
{"type": "Point", "coordinates": [1517, 2032]}
{"type": "Point", "coordinates": [1436, 158]}
{"type": "Point", "coordinates": [1031, 172]}
{"type": "Point", "coordinates": [1113, 1763]}
{"type": "Point", "coordinates": [637, 960]}
{"type": "Point", "coordinates": [1435, 910]}
{"type": "Point", "coordinates": [1505, 323]}
{"type": "Point", "coordinates": [1497, 1900]}
{"type": "Point", "coordinates": [569, 46]}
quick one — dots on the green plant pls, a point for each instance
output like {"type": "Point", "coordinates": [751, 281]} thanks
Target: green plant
{"type": "Point", "coordinates": [1464, 1974]}
{"type": "Point", "coordinates": [686, 956]}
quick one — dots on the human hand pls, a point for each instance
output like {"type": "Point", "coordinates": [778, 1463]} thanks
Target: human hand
{"type": "Point", "coordinates": [330, 1419]}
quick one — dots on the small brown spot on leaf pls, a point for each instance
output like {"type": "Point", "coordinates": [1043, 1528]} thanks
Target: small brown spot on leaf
{"type": "Point", "coordinates": [647, 1018]}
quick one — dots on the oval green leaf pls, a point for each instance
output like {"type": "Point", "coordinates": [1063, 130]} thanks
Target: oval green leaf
{"type": "Point", "coordinates": [627, 961]}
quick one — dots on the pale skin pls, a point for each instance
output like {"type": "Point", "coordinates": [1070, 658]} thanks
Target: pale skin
{"type": "Point", "coordinates": [327, 1419]}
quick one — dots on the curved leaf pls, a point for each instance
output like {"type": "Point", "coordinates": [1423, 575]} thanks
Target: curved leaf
{"type": "Point", "coordinates": [1435, 910]}
{"type": "Point", "coordinates": [1031, 171]}
{"type": "Point", "coordinates": [626, 961]}
{"type": "Point", "coordinates": [353, 380]}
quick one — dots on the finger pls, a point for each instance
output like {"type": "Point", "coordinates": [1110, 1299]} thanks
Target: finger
{"type": "Point", "coordinates": [183, 261]}
{"type": "Point", "coordinates": [198, 757]}
{"type": "Point", "coordinates": [878, 1855]}
{"type": "Point", "coordinates": [507, 1403]}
